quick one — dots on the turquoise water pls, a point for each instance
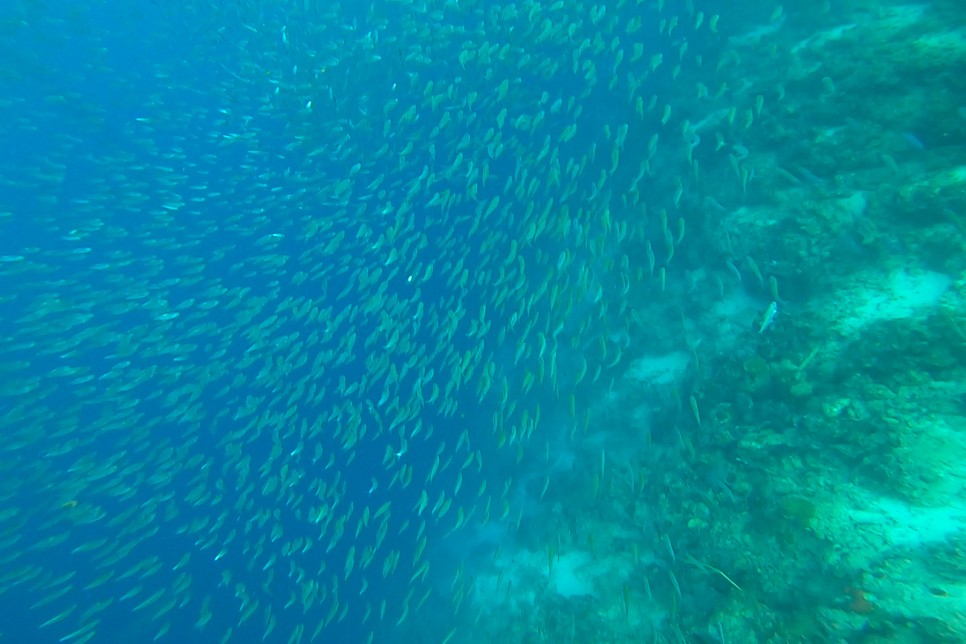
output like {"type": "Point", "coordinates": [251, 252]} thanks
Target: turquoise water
{"type": "Point", "coordinates": [456, 321]}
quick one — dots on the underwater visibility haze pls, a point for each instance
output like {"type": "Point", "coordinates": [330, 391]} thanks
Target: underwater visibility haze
{"type": "Point", "coordinates": [463, 321]}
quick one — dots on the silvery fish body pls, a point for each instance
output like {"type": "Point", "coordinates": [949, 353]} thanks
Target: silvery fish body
{"type": "Point", "coordinates": [769, 317]}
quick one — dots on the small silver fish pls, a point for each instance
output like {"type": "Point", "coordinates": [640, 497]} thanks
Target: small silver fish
{"type": "Point", "coordinates": [769, 317]}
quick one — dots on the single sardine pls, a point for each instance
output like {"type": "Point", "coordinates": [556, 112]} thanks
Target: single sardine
{"type": "Point", "coordinates": [769, 317]}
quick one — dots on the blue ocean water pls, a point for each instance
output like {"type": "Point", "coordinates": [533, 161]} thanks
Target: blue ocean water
{"type": "Point", "coordinates": [462, 321]}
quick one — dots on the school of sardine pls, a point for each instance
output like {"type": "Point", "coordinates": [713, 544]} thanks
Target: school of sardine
{"type": "Point", "coordinates": [293, 326]}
